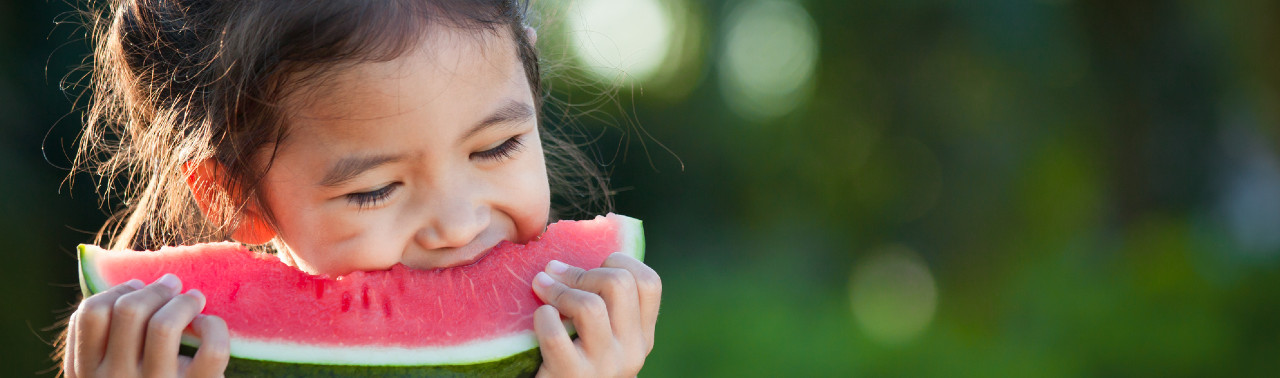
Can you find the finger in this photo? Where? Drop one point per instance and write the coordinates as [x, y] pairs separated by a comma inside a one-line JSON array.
[[558, 351], [69, 349], [649, 289], [130, 315], [215, 347], [92, 320], [568, 274], [586, 310], [164, 333], [618, 289]]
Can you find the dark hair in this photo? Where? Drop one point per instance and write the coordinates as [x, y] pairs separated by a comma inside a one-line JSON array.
[[178, 81]]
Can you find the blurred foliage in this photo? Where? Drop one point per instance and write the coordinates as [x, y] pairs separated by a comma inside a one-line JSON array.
[[1093, 185]]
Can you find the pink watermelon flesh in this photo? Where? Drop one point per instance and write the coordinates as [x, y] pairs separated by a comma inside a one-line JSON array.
[[263, 300]]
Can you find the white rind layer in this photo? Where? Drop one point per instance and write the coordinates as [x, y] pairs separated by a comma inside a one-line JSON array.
[[466, 354], [632, 237], [631, 242]]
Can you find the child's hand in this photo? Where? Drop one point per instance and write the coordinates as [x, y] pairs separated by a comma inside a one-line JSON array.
[[134, 331], [614, 309]]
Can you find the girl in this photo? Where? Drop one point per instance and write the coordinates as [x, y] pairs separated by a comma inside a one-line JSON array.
[[343, 135]]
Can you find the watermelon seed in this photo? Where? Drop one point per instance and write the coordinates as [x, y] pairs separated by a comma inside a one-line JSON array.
[[364, 297], [346, 301], [319, 288], [235, 289]]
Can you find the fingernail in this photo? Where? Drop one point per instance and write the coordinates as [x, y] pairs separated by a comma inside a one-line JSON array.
[[557, 267], [196, 293], [169, 280], [543, 279], [135, 284]]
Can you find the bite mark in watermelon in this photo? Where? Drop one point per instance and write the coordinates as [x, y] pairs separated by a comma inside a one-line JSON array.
[[466, 318]]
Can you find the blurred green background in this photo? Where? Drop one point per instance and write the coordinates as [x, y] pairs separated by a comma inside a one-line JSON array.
[[852, 188]]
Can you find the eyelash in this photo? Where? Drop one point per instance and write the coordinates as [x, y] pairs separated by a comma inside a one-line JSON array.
[[371, 198], [502, 151]]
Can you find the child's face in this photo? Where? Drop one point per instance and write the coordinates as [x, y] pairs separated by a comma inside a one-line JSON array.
[[427, 160]]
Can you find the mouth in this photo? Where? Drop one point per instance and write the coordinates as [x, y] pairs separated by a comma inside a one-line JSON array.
[[461, 256], [475, 258]]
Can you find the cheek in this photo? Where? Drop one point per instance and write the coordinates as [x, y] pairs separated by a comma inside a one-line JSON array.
[[532, 196], [342, 241], [324, 237]]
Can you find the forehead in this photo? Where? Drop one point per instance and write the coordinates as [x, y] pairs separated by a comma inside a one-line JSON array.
[[447, 67]]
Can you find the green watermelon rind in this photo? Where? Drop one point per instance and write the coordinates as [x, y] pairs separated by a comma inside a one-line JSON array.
[[524, 345], [90, 284], [632, 229]]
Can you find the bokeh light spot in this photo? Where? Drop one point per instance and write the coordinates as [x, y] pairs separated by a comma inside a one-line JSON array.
[[770, 51], [894, 295], [620, 40]]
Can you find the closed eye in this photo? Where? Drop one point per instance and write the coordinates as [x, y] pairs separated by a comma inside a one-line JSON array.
[[502, 152], [372, 198]]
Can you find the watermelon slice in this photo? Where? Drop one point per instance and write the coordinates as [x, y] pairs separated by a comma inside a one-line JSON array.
[[472, 319]]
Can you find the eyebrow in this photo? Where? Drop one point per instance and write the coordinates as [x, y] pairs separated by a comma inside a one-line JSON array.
[[511, 112], [350, 167]]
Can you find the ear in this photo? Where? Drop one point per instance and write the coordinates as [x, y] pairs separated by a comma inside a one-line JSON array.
[[531, 34], [207, 187]]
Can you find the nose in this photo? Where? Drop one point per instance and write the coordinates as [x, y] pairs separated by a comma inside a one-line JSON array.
[[452, 224]]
